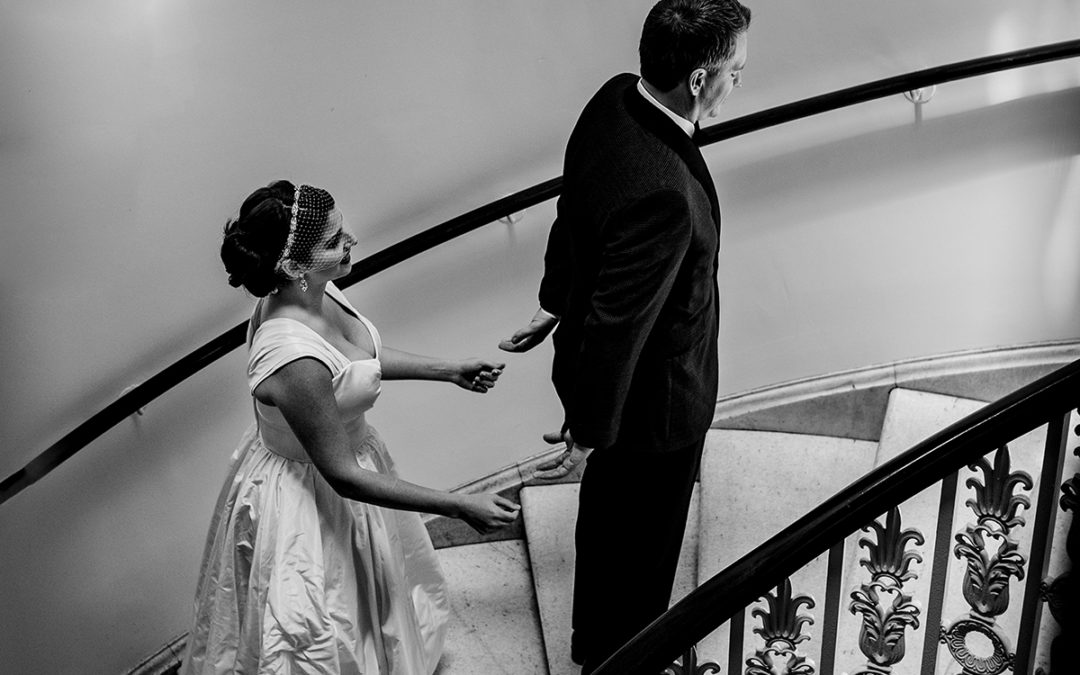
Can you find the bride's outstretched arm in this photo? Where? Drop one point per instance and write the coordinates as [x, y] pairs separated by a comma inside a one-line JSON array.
[[474, 374], [303, 392]]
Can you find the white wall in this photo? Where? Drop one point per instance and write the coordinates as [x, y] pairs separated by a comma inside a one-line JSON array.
[[130, 130]]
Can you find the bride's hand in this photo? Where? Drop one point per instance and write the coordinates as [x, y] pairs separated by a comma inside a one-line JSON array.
[[488, 512], [476, 375]]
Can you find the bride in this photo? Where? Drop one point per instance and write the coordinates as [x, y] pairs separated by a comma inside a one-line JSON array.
[[317, 560]]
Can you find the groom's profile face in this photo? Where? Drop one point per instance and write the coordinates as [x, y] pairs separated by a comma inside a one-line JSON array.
[[719, 86]]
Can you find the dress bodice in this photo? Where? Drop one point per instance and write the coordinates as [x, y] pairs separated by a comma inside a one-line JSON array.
[[357, 383]]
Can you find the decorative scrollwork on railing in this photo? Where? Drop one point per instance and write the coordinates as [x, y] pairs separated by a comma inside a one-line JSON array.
[[781, 628], [1062, 594], [988, 573], [994, 501], [884, 622], [986, 582], [688, 665]]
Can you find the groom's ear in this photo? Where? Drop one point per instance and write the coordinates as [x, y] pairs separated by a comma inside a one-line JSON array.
[[695, 82]]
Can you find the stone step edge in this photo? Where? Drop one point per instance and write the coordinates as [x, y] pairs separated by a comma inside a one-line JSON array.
[[897, 374]]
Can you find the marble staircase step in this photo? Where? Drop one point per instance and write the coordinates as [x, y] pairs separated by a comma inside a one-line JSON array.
[[753, 484], [852, 403], [756, 483], [494, 628], [550, 512], [912, 416]]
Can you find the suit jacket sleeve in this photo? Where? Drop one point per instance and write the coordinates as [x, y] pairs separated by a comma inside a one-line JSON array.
[[555, 284], [642, 246]]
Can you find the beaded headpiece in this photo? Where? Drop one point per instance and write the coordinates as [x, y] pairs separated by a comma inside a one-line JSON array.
[[314, 220]]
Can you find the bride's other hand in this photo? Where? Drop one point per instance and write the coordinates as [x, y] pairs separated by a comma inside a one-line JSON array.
[[476, 375], [488, 512]]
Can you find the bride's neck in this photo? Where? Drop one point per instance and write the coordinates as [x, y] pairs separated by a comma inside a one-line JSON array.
[[310, 300]]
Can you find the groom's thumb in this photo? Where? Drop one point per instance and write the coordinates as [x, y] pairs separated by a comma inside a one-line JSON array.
[[553, 437]]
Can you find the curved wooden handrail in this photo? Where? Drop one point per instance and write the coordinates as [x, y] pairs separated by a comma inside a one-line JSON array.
[[890, 86], [141, 395], [755, 574]]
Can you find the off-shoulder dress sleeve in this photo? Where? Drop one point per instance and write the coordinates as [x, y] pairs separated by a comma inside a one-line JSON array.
[[279, 342]]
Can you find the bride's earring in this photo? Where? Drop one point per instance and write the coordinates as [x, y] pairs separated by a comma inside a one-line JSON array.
[[303, 284]]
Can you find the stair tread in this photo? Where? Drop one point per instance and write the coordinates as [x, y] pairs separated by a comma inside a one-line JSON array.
[[686, 577], [550, 512], [756, 483], [912, 416], [494, 626]]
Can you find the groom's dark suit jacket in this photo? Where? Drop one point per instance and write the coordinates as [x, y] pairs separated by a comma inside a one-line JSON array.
[[630, 269]]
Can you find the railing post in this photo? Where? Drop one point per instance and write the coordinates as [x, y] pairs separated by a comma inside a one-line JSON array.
[[1041, 542], [1063, 593], [939, 573], [833, 593]]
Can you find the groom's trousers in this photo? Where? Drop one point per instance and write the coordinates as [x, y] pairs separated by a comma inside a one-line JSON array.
[[631, 518]]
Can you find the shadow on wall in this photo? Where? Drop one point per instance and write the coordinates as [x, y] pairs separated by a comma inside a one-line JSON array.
[[920, 157], [1061, 274], [24, 442], [126, 516]]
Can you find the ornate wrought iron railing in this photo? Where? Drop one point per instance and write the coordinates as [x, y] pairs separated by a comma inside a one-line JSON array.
[[947, 588], [142, 394]]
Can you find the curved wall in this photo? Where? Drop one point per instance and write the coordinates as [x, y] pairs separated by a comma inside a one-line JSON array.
[[130, 130]]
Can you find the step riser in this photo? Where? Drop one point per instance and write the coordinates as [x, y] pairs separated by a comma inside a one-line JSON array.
[[493, 627], [550, 513], [753, 485]]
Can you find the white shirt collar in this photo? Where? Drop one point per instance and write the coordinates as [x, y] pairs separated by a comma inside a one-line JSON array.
[[684, 124]]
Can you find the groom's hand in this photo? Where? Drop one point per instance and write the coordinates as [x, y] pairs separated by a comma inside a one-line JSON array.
[[563, 465], [531, 335]]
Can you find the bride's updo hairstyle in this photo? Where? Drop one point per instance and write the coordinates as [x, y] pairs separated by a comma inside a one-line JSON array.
[[255, 239]]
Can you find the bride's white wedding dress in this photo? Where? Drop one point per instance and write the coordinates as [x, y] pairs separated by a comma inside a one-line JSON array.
[[295, 578]]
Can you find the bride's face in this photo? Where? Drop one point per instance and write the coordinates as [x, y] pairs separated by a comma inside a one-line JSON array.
[[330, 255]]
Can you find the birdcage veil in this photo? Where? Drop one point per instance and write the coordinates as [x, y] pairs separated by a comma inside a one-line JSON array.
[[314, 218]]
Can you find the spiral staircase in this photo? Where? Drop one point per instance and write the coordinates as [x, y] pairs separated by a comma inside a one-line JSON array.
[[945, 583], [970, 575], [773, 455]]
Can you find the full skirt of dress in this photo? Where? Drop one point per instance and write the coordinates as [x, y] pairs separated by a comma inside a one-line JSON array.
[[297, 579]]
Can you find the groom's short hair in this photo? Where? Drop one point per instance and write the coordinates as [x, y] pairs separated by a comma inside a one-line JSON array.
[[681, 35]]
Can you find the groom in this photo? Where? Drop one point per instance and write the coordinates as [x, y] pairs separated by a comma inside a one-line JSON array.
[[630, 280]]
